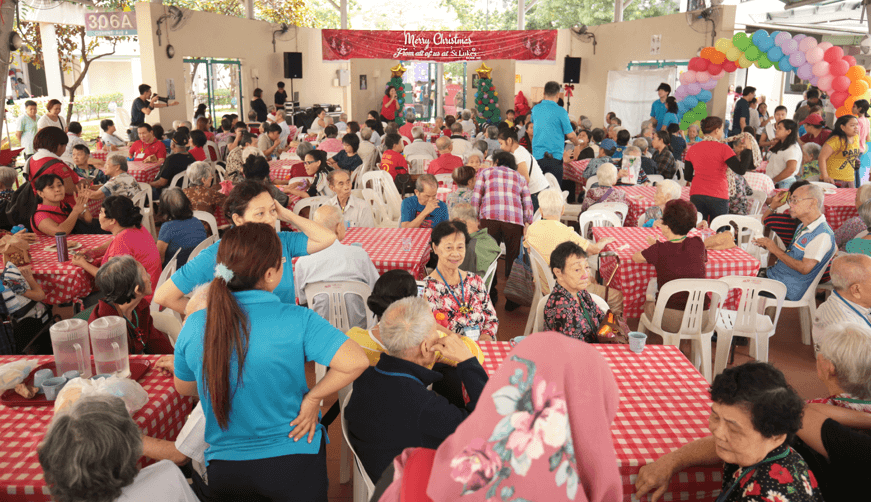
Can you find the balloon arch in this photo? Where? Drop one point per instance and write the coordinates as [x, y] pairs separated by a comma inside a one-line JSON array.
[[822, 64]]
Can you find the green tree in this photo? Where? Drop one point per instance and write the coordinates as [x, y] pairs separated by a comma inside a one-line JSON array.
[[555, 14], [502, 14]]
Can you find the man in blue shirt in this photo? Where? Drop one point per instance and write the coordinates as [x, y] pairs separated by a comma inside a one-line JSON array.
[[552, 128], [658, 109], [741, 115], [423, 209]]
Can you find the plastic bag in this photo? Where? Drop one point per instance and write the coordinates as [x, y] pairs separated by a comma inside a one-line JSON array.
[[12, 374], [133, 395]]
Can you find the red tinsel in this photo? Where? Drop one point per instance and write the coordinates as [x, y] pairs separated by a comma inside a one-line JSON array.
[[570, 88]]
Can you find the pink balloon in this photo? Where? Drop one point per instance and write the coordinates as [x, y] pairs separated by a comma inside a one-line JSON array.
[[821, 68], [841, 84], [688, 77], [718, 75], [790, 47], [782, 38], [799, 37], [805, 71], [709, 85], [825, 46], [825, 82], [815, 54], [807, 44], [702, 77]]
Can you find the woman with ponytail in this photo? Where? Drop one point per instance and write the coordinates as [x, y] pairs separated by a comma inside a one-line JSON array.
[[244, 356]]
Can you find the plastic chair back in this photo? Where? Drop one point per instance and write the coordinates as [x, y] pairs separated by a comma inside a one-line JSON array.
[[148, 221], [363, 485], [203, 245], [182, 176], [209, 219], [655, 178], [145, 187], [746, 228], [759, 198], [752, 302], [621, 208], [491, 272], [379, 209], [538, 321], [167, 323], [313, 203], [592, 181], [417, 164], [337, 293], [552, 181], [596, 218], [824, 186], [601, 302], [447, 179], [694, 314]]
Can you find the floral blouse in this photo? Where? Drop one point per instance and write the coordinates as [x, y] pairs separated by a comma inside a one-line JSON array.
[[474, 294], [782, 477], [739, 190], [597, 194], [461, 195], [206, 199], [565, 315], [848, 231]]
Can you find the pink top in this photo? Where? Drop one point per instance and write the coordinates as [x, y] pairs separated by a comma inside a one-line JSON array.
[[47, 212], [331, 145], [863, 133], [138, 243]]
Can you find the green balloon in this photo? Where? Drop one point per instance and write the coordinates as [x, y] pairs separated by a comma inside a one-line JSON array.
[[752, 53], [741, 41], [763, 62]]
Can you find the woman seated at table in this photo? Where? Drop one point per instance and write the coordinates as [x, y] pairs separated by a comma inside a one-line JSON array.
[[666, 191], [475, 159], [315, 166], [348, 158], [123, 220], [263, 443], [53, 215], [459, 299], [662, 155], [603, 190], [464, 177], [257, 169], [50, 143], [125, 284], [754, 416], [181, 232], [99, 433], [861, 245], [782, 224], [852, 227], [202, 191], [570, 309]]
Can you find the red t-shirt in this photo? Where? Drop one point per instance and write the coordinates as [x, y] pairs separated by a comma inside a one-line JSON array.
[[144, 339], [394, 163], [140, 150], [678, 260], [709, 168], [820, 140], [198, 153], [47, 212], [406, 130], [138, 243], [445, 164], [389, 112], [60, 169]]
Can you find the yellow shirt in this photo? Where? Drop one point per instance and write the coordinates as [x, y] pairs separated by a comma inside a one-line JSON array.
[[545, 235], [840, 164], [373, 347]]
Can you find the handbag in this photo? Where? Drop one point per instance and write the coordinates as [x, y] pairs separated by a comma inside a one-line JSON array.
[[521, 284], [613, 328]]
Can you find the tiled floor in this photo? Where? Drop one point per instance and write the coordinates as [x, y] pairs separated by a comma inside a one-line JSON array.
[[786, 352]]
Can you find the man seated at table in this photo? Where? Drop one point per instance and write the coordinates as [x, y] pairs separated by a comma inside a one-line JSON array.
[[85, 168], [120, 181], [392, 160], [356, 212], [147, 148], [810, 250], [177, 162], [423, 209], [419, 146], [482, 249], [391, 408], [446, 162], [269, 141], [851, 300], [460, 144], [338, 262]]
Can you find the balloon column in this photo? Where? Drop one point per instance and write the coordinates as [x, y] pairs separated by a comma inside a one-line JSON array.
[[822, 64], [487, 98], [396, 81]]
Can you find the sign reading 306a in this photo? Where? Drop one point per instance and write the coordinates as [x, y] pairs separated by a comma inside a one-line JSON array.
[[110, 24]]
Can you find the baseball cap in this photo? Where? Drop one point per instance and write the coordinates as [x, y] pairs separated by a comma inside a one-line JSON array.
[[608, 144], [814, 119]]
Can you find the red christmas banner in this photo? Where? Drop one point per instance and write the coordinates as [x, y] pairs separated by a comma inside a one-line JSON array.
[[442, 46]]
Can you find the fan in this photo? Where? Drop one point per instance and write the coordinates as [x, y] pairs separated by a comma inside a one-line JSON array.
[[174, 19], [583, 33], [283, 32]]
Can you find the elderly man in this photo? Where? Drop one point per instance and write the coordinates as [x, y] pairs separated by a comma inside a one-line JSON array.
[[270, 141], [356, 212], [285, 129], [120, 182], [177, 162], [447, 162], [338, 262], [647, 162], [391, 408], [460, 144], [467, 124], [366, 149], [482, 250], [147, 148], [810, 249], [423, 209], [851, 301], [406, 129], [627, 171], [844, 364], [342, 124], [419, 146]]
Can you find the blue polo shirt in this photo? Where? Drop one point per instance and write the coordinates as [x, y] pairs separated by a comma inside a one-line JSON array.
[[667, 119], [201, 269], [282, 339], [411, 208], [658, 111], [551, 126]]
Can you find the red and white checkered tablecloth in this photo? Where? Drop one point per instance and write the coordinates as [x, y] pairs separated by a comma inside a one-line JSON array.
[[143, 172], [62, 282], [632, 278], [664, 404], [100, 154], [281, 169], [574, 171], [640, 199], [840, 207], [758, 180], [23, 428], [384, 246]]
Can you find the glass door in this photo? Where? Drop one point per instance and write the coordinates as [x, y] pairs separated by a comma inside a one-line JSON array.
[[217, 83]]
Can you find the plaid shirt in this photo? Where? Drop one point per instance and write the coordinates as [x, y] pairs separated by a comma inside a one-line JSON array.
[[503, 195]]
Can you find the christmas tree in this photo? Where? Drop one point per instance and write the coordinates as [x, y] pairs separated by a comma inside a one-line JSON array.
[[487, 98], [396, 81]]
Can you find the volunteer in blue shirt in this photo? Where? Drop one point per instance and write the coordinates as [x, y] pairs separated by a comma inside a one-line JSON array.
[[249, 202], [670, 116], [262, 421], [552, 128], [659, 108]]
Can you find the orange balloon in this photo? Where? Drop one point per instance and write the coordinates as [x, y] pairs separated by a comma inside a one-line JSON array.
[[856, 73], [717, 57], [840, 112], [858, 88], [849, 102]]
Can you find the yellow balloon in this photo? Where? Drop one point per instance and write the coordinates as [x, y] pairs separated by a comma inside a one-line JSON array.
[[723, 45], [734, 54], [743, 62], [867, 96]]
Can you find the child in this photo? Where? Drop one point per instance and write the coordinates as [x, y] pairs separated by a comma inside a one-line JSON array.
[[110, 140], [392, 161], [509, 118], [810, 163]]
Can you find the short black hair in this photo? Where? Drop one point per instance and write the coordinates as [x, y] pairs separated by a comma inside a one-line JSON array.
[[144, 88], [273, 127], [157, 129], [246, 138], [505, 159], [779, 108], [551, 88], [226, 124], [181, 137], [563, 252], [392, 286], [775, 408], [813, 93], [82, 148], [623, 137], [331, 131], [679, 216], [281, 85], [673, 128], [146, 126], [256, 168], [198, 138], [240, 125], [449, 227], [749, 90], [506, 134], [798, 184], [74, 128], [392, 140], [664, 87], [46, 180], [122, 210], [351, 140], [598, 134], [29, 102]]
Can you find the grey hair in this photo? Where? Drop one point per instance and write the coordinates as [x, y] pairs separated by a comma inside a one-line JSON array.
[[176, 124], [409, 115], [632, 151], [467, 115], [464, 211], [303, 148], [848, 347], [332, 176], [474, 152], [816, 192], [417, 132], [271, 109], [425, 180], [120, 161], [641, 143], [279, 113], [669, 188], [118, 279], [492, 132], [8, 177], [187, 123], [343, 117], [174, 202], [865, 213], [198, 172], [606, 174], [90, 451], [365, 133], [405, 325], [693, 126], [848, 269], [481, 145], [863, 193], [328, 216], [443, 143], [812, 149], [550, 202], [587, 124]]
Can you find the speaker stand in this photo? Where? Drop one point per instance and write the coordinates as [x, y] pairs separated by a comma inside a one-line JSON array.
[[292, 103]]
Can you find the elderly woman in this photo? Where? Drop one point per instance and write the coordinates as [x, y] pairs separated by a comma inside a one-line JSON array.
[[474, 158], [754, 416], [862, 245], [257, 169], [126, 283], [851, 228], [203, 193], [693, 135], [247, 425], [841, 152], [662, 155], [464, 178], [666, 191], [603, 190], [633, 166], [391, 408], [810, 162], [105, 441], [331, 143], [459, 299], [392, 286], [844, 366], [181, 232]]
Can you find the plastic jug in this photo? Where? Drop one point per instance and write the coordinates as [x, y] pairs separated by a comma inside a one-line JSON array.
[[109, 340], [71, 347]]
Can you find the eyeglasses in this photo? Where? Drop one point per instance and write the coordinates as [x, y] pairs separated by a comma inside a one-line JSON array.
[[309, 162], [793, 201]]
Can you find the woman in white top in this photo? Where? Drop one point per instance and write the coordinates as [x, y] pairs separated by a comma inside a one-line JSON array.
[[526, 164], [52, 117], [785, 157]]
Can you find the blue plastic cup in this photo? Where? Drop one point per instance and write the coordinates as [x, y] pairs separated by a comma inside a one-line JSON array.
[[53, 386], [69, 375], [637, 341], [41, 376]]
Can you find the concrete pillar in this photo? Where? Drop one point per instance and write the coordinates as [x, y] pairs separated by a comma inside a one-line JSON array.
[[440, 90], [249, 9], [53, 76], [343, 10], [521, 13]]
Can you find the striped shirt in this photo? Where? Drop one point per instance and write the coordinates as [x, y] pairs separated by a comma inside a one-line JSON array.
[[14, 286], [503, 195], [838, 309]]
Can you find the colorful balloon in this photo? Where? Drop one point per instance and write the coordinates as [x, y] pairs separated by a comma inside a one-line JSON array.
[[805, 71], [709, 85], [850, 60], [763, 62], [688, 77], [759, 36], [694, 89], [775, 54], [715, 69], [782, 38], [858, 88], [765, 43], [744, 62], [834, 54], [856, 73], [790, 47], [702, 77], [841, 84], [814, 81], [840, 112], [797, 59], [799, 37], [717, 57], [821, 69], [815, 54], [698, 64], [723, 45], [807, 44], [733, 54], [704, 96], [825, 46], [719, 74], [851, 101], [690, 101], [741, 41], [839, 67], [825, 82], [784, 64], [838, 98], [728, 66], [753, 53]]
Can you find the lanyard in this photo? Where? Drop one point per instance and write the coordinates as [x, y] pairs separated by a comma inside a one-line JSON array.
[[135, 327], [851, 400], [391, 373], [725, 495], [864, 317], [464, 309], [584, 313]]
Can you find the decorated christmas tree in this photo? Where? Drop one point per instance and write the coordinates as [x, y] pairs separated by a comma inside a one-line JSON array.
[[396, 81], [487, 98]]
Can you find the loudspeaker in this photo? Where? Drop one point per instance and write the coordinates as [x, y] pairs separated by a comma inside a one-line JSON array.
[[292, 65], [571, 70]]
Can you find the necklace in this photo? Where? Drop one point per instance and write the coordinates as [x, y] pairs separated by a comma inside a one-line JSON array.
[[461, 301]]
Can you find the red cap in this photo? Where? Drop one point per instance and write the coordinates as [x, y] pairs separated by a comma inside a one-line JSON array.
[[814, 119]]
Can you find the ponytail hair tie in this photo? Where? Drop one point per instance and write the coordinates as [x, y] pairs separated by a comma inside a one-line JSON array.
[[222, 272]]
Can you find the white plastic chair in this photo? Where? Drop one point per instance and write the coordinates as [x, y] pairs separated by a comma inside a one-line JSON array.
[[220, 171], [166, 273], [592, 181], [749, 320], [203, 245], [363, 485], [655, 178], [679, 173], [759, 197], [313, 203], [209, 219], [183, 177], [491, 272], [379, 210], [746, 228], [445, 178], [146, 188], [539, 267], [148, 220], [597, 218], [824, 186], [538, 323], [622, 209], [808, 305], [694, 316], [552, 181], [168, 324], [208, 150]]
